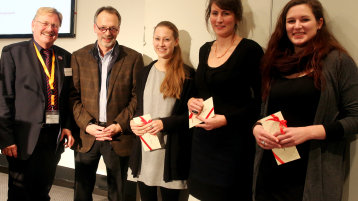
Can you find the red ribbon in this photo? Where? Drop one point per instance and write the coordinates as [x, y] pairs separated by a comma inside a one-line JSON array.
[[191, 115], [283, 123], [207, 116], [145, 122], [278, 158]]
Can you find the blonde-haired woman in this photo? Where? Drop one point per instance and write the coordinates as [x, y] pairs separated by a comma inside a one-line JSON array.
[[163, 89]]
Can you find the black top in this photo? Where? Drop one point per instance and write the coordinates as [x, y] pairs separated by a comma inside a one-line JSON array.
[[176, 126], [224, 156], [297, 99]]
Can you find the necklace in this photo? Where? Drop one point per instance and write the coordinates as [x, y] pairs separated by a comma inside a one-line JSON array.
[[216, 47]]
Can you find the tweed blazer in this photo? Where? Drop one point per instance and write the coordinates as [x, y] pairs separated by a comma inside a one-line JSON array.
[[121, 97]]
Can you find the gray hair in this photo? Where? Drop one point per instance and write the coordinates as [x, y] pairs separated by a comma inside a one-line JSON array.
[[44, 10], [108, 9]]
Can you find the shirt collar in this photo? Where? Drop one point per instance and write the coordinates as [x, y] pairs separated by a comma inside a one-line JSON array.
[[40, 48], [107, 54]]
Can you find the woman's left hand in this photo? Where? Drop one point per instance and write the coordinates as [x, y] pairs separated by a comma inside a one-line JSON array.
[[216, 121], [297, 135], [154, 127]]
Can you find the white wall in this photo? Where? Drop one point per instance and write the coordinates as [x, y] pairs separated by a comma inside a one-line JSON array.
[[189, 17], [140, 16], [185, 18]]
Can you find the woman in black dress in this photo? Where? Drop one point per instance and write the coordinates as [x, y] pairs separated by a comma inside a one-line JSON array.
[[310, 78], [228, 71]]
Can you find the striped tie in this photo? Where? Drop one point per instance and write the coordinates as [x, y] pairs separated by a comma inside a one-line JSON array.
[[47, 55]]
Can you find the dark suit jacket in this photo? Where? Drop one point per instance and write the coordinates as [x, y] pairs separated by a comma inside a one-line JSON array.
[[121, 98], [22, 95]]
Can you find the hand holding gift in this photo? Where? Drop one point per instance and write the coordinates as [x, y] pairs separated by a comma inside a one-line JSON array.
[[149, 142], [207, 112], [275, 124]]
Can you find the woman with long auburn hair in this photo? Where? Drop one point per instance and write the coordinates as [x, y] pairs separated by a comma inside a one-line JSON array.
[[310, 78], [163, 88], [228, 71]]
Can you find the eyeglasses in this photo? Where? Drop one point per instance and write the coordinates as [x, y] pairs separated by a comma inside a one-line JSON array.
[[104, 29], [46, 24]]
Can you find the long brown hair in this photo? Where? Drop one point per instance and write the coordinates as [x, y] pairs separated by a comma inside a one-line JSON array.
[[280, 58], [172, 84]]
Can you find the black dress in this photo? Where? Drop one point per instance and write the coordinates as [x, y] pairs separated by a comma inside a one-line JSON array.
[[222, 159], [297, 99]]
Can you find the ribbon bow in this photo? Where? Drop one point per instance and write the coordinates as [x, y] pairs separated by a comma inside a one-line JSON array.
[[144, 121], [283, 123]]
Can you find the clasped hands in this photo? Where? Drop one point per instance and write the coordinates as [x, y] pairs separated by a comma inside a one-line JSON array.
[[195, 105], [291, 136], [103, 133]]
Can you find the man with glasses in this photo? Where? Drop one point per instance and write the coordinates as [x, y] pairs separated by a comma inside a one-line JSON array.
[[35, 78], [104, 101]]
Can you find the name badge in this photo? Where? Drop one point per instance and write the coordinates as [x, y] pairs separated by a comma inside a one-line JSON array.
[[52, 117], [68, 72]]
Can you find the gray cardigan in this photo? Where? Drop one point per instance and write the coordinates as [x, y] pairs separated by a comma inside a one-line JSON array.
[[327, 163]]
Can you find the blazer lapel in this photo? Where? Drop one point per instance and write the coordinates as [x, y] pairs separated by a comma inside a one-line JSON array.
[[113, 77], [93, 74], [116, 67], [37, 69], [59, 69]]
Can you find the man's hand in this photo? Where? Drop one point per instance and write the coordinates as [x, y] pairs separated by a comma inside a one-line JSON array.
[[10, 151], [97, 132], [113, 129], [66, 133]]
